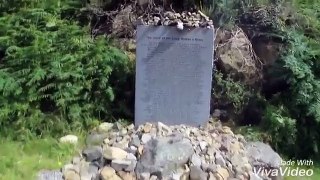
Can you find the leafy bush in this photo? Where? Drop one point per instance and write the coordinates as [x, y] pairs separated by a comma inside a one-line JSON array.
[[53, 76], [252, 133], [300, 60], [9, 6], [294, 117], [230, 93], [281, 128], [291, 118]]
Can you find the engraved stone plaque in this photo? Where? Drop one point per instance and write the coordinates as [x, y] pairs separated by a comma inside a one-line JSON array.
[[173, 75]]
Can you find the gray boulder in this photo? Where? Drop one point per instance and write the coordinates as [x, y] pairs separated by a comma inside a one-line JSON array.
[[95, 139], [164, 155], [93, 153], [261, 155]]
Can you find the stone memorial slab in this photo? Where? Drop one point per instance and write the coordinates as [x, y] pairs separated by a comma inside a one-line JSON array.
[[173, 75]]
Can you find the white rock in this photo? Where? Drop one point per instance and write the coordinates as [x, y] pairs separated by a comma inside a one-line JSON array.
[[106, 141], [153, 177], [69, 139], [203, 145], [162, 126], [220, 160], [180, 25], [131, 156], [112, 153], [133, 148], [156, 20], [176, 176], [145, 176], [145, 138], [105, 127], [196, 160], [130, 127]]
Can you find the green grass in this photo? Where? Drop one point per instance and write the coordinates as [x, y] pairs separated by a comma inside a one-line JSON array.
[[22, 161]]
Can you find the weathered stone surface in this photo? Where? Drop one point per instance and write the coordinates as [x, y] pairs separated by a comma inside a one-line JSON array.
[[126, 175], [164, 155], [220, 160], [70, 167], [108, 173], [122, 144], [112, 153], [196, 160], [88, 171], [135, 141], [211, 176], [162, 128], [71, 175], [196, 173], [147, 127], [144, 176], [92, 153], [95, 139], [76, 160], [162, 96], [222, 174], [182, 173], [262, 155], [145, 138], [203, 145], [124, 165]]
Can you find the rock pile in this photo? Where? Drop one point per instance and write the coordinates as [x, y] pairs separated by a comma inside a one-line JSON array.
[[184, 19], [157, 151], [122, 23]]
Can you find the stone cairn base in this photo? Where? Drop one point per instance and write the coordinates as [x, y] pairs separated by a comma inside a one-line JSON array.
[[183, 19], [160, 152]]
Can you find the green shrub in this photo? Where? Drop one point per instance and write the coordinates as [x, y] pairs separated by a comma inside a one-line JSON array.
[[300, 60], [281, 128], [54, 76], [230, 93], [294, 117]]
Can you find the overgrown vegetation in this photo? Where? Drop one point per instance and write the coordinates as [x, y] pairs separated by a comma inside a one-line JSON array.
[[290, 118], [297, 115], [230, 93], [302, 100], [53, 76]]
